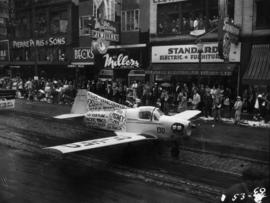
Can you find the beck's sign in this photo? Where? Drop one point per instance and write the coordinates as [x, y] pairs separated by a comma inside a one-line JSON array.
[[83, 55], [190, 54]]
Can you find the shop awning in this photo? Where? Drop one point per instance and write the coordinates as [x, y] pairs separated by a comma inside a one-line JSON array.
[[258, 71], [222, 69]]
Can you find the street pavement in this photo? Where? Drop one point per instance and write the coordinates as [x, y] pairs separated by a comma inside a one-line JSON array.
[[30, 174], [213, 150], [224, 137]]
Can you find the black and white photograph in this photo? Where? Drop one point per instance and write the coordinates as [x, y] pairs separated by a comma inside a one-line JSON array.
[[134, 101]]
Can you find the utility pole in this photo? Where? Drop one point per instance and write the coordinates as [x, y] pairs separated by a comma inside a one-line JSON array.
[[35, 38]]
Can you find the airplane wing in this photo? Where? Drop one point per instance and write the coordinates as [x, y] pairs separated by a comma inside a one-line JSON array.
[[69, 115], [120, 138], [186, 115]]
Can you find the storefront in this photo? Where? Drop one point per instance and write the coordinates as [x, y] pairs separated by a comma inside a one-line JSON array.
[[180, 63], [50, 55], [122, 59]]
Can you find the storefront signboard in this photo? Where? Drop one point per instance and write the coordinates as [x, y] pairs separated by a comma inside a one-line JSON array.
[[189, 53], [52, 41], [120, 61], [4, 50], [104, 29], [83, 55]]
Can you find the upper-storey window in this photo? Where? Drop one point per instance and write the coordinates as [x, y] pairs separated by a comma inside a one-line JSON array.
[[262, 14], [22, 25], [86, 22], [130, 20], [41, 23], [104, 9], [58, 22], [186, 16]]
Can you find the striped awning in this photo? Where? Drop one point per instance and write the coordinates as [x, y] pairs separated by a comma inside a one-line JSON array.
[[258, 71]]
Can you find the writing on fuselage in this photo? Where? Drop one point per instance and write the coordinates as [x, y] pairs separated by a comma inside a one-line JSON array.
[[110, 120]]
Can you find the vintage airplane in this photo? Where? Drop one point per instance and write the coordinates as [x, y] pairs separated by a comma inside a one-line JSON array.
[[128, 124], [7, 99]]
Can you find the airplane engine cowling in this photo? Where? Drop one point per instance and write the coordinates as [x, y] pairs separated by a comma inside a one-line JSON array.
[[178, 128]]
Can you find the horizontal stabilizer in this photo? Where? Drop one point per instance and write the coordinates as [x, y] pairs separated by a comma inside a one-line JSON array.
[[120, 138], [70, 115]]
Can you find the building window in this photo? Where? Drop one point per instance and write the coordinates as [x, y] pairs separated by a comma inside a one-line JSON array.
[[41, 24], [130, 20], [85, 25], [104, 9], [262, 14], [22, 26], [183, 17], [58, 22]]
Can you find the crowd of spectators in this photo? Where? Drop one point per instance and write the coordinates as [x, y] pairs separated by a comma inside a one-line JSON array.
[[215, 101], [186, 24]]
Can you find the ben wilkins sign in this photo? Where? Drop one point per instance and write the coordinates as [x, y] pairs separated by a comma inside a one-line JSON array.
[[52, 41], [190, 54], [104, 29], [120, 61]]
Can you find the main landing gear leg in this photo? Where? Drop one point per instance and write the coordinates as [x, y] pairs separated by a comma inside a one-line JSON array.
[[175, 149]]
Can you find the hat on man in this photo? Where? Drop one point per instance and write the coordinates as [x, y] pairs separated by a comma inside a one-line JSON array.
[[238, 97]]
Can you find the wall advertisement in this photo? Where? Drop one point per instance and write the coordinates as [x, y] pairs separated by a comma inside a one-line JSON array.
[[51, 41], [190, 53]]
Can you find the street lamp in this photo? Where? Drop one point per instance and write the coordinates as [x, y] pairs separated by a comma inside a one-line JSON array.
[[200, 50]]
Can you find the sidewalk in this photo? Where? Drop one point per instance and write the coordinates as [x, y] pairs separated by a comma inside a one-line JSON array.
[[244, 122]]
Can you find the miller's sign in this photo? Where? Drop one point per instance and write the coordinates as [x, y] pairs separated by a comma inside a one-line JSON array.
[[83, 55], [52, 41], [120, 61]]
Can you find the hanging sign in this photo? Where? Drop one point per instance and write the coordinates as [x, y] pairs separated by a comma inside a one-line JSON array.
[[83, 55], [120, 61]]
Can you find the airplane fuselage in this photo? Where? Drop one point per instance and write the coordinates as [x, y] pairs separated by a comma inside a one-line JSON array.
[[142, 120]]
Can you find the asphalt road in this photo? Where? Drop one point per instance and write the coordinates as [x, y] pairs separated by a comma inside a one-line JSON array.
[[31, 174]]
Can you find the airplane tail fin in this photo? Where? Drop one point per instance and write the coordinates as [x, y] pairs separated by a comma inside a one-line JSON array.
[[88, 101], [80, 105]]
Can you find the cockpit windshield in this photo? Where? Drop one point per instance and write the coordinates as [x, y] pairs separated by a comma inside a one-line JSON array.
[[157, 113]]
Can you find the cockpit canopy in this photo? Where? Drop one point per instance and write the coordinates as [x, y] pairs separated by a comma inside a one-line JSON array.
[[150, 113]]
